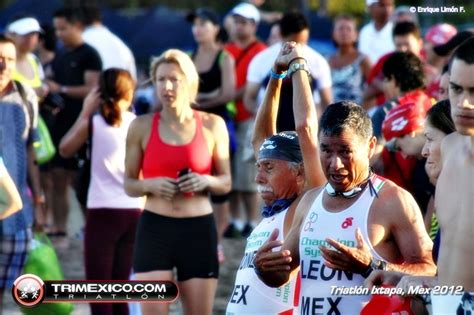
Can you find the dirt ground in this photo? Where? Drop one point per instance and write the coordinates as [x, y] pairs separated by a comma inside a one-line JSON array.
[[71, 260]]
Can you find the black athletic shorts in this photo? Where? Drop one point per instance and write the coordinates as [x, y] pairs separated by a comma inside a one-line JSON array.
[[189, 244]]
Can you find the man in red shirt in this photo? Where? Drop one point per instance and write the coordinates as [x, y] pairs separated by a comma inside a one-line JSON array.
[[245, 46]]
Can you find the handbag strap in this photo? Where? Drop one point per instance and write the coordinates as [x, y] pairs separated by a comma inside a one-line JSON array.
[[26, 103]]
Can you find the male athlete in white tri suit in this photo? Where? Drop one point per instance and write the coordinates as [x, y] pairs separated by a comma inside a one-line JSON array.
[[283, 172], [355, 223]]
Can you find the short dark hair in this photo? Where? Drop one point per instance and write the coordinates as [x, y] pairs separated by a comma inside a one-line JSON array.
[[90, 14], [48, 37], [406, 28], [292, 23], [407, 70], [465, 52], [439, 116], [70, 14], [345, 115]]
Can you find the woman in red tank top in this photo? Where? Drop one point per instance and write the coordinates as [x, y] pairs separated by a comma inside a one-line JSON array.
[[176, 158]]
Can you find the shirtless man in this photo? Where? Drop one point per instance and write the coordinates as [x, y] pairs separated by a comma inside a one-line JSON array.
[[377, 224], [454, 201], [458, 162]]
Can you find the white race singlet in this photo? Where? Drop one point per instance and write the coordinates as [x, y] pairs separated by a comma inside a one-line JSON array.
[[317, 279], [250, 295]]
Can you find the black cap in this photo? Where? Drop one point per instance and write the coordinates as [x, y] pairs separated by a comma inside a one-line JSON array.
[[204, 14], [282, 146], [446, 48]]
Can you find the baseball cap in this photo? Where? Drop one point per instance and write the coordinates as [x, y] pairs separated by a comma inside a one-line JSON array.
[[24, 26], [446, 48], [248, 11], [282, 146], [204, 14], [402, 120], [440, 33], [368, 3]]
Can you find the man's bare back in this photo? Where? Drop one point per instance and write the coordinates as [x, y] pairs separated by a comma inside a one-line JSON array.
[[454, 209]]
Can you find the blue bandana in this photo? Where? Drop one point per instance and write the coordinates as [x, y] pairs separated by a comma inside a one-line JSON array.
[[276, 207]]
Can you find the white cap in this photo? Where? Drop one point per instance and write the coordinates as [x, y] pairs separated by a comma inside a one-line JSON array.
[[368, 3], [24, 26], [247, 10]]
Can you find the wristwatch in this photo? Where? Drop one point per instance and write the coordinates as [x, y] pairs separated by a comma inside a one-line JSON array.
[[296, 66], [378, 264], [375, 264]]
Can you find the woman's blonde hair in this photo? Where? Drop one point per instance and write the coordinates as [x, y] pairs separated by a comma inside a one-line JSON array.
[[185, 64]]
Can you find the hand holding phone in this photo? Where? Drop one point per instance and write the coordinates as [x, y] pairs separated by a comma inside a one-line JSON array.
[[181, 173]]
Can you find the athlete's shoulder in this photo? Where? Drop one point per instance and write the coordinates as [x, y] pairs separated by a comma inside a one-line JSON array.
[[141, 124], [211, 121], [391, 197]]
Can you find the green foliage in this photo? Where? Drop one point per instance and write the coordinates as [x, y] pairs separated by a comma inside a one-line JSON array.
[[335, 7], [354, 7]]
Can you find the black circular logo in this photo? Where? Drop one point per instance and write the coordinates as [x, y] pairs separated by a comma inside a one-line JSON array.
[[28, 290]]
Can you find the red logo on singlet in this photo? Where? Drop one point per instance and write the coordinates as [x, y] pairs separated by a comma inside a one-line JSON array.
[[347, 222]]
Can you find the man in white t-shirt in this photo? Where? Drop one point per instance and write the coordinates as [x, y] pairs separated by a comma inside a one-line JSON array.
[[375, 39], [112, 50], [293, 27]]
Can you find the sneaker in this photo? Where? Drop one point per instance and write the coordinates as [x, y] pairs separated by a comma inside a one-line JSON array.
[[231, 231], [248, 228]]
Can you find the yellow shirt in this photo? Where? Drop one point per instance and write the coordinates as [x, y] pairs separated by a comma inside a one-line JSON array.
[[36, 82]]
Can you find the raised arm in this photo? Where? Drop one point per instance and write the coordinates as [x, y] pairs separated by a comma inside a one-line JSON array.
[[75, 138], [265, 122], [306, 122]]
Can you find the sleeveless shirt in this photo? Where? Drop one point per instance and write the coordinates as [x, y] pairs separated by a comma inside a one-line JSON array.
[[108, 167], [211, 80], [166, 160], [317, 278], [347, 82], [38, 74], [250, 295]]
